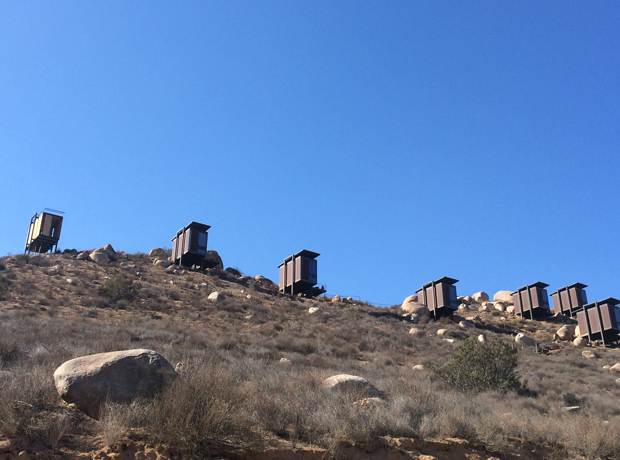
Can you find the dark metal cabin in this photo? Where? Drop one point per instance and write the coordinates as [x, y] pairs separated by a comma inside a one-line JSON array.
[[44, 231], [531, 301], [298, 274], [189, 246], [439, 296], [569, 300], [600, 320]]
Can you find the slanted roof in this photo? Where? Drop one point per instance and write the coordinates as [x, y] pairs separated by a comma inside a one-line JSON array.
[[444, 279], [53, 211], [196, 225], [574, 285], [302, 253]]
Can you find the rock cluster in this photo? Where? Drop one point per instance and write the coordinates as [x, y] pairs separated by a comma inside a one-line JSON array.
[[159, 257], [103, 254]]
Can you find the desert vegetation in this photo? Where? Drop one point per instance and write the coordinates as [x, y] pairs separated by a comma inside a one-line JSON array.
[[235, 394]]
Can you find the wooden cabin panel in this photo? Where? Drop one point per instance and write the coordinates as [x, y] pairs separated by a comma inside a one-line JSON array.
[[430, 298], [516, 300], [575, 297], [594, 321], [298, 272], [282, 270], [442, 298], [185, 240], [557, 303], [581, 322], [46, 226], [566, 301], [37, 227], [524, 297], [606, 317], [535, 297], [174, 248], [289, 273], [31, 232]]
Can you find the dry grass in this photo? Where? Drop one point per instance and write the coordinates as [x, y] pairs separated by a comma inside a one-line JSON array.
[[234, 392]]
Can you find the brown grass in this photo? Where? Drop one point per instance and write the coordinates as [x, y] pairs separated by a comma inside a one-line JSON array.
[[234, 392]]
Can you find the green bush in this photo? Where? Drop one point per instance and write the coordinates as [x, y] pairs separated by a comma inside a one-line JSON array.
[[476, 366], [120, 289]]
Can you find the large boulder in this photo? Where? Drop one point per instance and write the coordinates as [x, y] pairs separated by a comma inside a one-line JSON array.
[[109, 250], [118, 377], [503, 296], [480, 297], [352, 383], [525, 340], [580, 341], [588, 354], [158, 253], [99, 256], [566, 332], [161, 263], [411, 298], [265, 283], [215, 297], [411, 305], [104, 254], [214, 258]]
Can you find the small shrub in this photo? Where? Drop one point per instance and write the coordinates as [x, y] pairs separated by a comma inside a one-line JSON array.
[[116, 420], [476, 366], [120, 289], [9, 352], [3, 290], [202, 411], [99, 303], [23, 258]]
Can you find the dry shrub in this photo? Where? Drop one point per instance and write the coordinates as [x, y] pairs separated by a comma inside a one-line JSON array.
[[26, 391], [9, 352], [200, 412], [116, 420]]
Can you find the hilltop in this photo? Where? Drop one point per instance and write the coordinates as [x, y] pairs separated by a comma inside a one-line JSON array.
[[252, 361]]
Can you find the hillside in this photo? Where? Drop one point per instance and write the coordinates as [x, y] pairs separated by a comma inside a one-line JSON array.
[[237, 398]]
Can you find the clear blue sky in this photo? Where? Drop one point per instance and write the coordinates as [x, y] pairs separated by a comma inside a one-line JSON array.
[[402, 140]]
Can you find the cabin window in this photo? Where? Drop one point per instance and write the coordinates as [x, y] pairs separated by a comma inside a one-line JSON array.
[[545, 299], [202, 243], [453, 300]]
